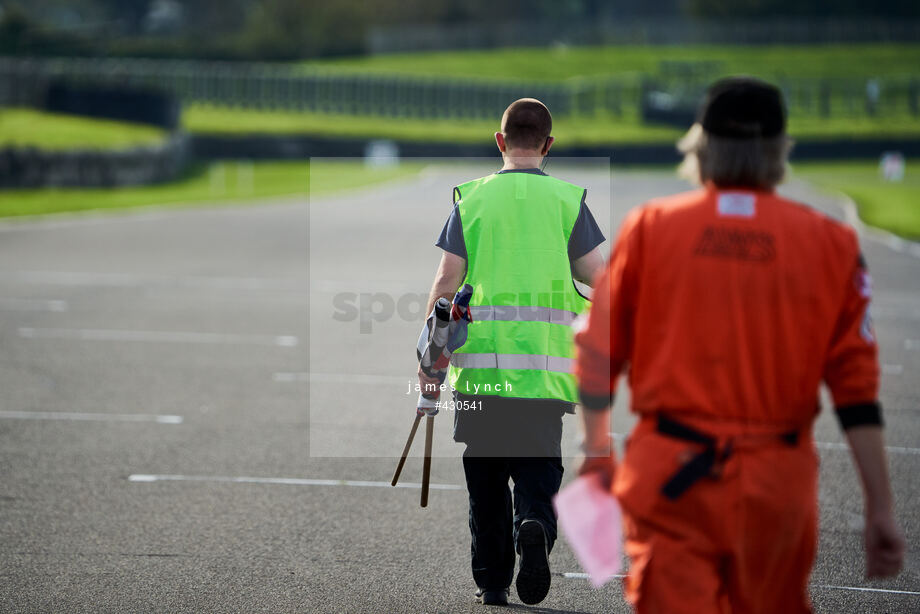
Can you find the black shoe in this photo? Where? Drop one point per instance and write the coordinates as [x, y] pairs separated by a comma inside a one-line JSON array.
[[533, 577], [499, 597]]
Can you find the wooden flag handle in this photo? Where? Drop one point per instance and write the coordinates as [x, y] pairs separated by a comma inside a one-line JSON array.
[[405, 453], [426, 466]]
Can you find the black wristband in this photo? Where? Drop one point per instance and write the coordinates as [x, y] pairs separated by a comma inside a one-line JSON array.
[[860, 414], [595, 402]]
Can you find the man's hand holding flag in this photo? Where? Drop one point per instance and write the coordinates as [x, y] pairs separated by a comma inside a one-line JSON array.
[[444, 331]]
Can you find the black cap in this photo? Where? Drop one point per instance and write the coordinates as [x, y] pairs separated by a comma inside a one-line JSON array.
[[743, 108]]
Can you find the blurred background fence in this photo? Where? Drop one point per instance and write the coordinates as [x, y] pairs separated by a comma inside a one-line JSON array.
[[660, 30], [266, 86], [31, 167]]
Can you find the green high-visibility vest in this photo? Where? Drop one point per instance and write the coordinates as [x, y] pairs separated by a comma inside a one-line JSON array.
[[516, 227]]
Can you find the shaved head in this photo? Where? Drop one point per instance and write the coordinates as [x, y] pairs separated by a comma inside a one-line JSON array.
[[526, 124]]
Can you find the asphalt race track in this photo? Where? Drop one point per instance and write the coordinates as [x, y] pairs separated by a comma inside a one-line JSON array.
[[201, 408]]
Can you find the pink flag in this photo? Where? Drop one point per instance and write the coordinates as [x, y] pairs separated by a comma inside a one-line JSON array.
[[591, 521]]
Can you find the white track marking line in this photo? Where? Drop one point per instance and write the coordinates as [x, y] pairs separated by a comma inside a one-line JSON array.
[[160, 298], [366, 286], [145, 213], [131, 280], [865, 589], [143, 477], [156, 336], [92, 417], [821, 445], [892, 241], [572, 575], [827, 445], [23, 304], [340, 378], [902, 450], [286, 377], [583, 576]]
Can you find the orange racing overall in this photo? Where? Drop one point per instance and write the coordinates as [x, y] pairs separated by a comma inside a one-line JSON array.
[[727, 309]]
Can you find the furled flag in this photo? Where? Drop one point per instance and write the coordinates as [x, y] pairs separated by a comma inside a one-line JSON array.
[[444, 332]]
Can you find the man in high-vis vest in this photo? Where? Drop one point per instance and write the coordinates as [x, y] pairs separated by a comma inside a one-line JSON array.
[[729, 305], [520, 238]]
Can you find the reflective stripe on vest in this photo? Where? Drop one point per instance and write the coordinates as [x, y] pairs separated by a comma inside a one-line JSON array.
[[556, 364], [512, 313]]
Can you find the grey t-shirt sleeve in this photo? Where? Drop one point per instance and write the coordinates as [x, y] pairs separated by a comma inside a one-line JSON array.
[[451, 239], [586, 234]]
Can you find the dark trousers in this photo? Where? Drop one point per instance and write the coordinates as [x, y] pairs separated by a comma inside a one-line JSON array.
[[517, 440], [495, 520]]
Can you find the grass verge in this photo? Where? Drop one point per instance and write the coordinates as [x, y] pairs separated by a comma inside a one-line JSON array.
[[54, 132], [560, 63], [219, 182], [633, 62], [602, 130], [217, 120], [891, 206]]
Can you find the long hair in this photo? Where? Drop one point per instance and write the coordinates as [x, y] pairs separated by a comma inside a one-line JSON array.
[[758, 163]]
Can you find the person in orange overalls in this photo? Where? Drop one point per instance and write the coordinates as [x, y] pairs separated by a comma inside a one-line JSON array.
[[728, 306]]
